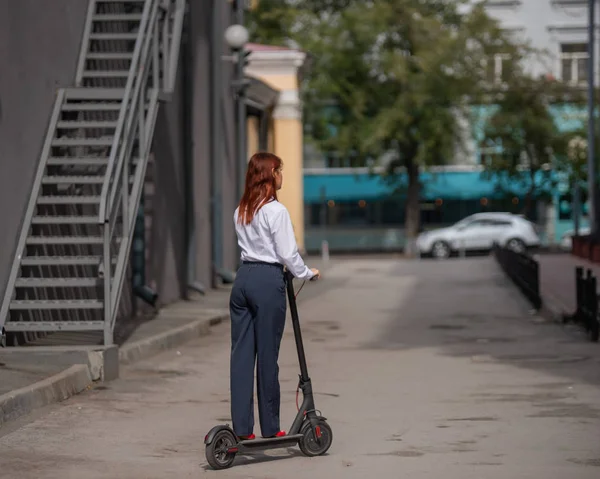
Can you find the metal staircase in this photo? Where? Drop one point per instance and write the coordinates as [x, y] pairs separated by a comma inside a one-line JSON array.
[[73, 249]]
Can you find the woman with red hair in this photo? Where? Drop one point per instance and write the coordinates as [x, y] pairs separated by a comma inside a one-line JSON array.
[[258, 302]]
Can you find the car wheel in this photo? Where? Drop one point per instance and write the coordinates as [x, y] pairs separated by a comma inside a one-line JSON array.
[[440, 250], [516, 245]]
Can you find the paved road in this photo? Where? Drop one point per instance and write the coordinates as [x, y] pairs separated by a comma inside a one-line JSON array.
[[424, 369]]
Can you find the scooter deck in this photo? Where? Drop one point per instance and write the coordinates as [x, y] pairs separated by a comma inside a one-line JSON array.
[[270, 442]]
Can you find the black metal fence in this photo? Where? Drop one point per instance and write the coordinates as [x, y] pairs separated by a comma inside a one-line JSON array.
[[523, 270], [586, 314]]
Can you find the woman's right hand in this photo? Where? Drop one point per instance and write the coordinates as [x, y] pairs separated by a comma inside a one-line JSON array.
[[316, 274]]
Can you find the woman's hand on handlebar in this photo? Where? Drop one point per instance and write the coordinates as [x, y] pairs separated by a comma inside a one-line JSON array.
[[316, 273]]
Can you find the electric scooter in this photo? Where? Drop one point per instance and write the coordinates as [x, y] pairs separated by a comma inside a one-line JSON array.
[[309, 430]]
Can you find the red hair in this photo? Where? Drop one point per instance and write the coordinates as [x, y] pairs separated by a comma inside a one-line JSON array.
[[260, 185]]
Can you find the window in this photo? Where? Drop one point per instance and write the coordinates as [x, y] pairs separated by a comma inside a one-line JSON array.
[[490, 156], [498, 68], [500, 223], [574, 63]]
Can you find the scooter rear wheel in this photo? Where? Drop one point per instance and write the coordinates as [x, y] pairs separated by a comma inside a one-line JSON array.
[[217, 453], [309, 444]]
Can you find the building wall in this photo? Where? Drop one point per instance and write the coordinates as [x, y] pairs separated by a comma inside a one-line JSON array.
[[546, 24], [38, 55], [278, 67], [182, 147]]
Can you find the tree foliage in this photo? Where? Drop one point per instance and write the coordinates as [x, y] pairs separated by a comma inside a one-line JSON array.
[[528, 146], [395, 76]]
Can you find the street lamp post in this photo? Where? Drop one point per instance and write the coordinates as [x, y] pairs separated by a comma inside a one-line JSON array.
[[591, 160], [236, 37]]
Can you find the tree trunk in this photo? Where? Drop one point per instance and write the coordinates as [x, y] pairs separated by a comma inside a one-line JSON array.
[[413, 211], [528, 204], [529, 196]]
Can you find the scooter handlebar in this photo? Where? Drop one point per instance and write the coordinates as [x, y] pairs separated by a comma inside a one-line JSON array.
[[290, 276]]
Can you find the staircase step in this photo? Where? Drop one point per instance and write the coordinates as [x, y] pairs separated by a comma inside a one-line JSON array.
[[73, 180], [61, 260], [81, 161], [65, 304], [113, 36], [57, 282], [91, 106], [86, 124], [68, 200], [109, 56], [64, 240], [92, 93], [106, 73], [82, 142], [64, 220], [15, 326], [117, 17]]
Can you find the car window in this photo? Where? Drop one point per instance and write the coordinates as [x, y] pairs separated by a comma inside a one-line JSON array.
[[464, 222], [474, 224], [498, 222]]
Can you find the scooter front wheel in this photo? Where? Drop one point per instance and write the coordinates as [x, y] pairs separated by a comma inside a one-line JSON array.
[[317, 442], [217, 452]]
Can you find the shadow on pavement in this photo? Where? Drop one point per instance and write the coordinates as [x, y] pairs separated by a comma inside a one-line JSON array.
[[468, 308]]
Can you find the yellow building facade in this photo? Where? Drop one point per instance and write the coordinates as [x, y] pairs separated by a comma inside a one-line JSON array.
[[279, 68]]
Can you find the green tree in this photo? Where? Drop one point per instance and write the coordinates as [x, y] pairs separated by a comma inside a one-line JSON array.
[[527, 142], [397, 74]]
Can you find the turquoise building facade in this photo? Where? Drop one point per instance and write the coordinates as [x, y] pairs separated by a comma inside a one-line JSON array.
[[362, 209]]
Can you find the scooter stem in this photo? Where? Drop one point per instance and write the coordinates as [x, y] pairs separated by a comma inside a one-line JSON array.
[[289, 277]]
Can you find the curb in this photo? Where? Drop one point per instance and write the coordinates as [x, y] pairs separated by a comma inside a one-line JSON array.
[[78, 378], [147, 347], [51, 390], [551, 312]]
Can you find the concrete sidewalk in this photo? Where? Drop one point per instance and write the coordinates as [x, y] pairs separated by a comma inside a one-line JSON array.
[[424, 369], [62, 365]]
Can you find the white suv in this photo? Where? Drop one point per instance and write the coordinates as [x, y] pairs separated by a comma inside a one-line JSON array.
[[479, 232]]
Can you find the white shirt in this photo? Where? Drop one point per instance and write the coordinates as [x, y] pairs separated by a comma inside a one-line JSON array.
[[270, 238]]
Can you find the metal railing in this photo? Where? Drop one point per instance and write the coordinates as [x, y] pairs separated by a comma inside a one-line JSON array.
[[586, 313], [150, 75], [523, 270], [120, 196]]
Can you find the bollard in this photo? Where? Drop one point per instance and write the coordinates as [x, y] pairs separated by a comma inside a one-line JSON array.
[[325, 252], [579, 290], [593, 326]]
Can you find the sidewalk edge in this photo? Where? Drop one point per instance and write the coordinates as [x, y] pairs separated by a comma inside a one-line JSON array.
[[77, 378], [551, 310], [147, 347], [54, 389]]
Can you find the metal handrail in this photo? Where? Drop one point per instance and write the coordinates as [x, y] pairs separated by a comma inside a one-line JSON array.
[[136, 120], [106, 200]]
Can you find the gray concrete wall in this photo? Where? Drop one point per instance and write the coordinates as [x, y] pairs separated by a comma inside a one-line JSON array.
[[229, 155], [167, 238], [200, 129], [166, 261], [38, 54]]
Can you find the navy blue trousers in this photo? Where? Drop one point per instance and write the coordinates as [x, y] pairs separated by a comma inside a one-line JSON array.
[[257, 306]]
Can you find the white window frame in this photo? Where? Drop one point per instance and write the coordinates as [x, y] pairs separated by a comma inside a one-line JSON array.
[[575, 57], [498, 59]]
